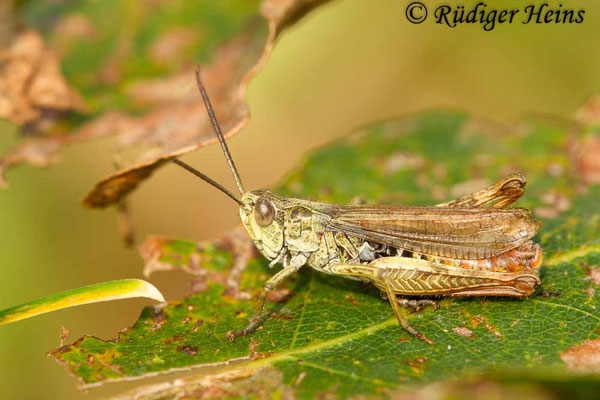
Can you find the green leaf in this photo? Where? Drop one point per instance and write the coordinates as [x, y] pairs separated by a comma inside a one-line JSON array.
[[90, 294], [336, 335]]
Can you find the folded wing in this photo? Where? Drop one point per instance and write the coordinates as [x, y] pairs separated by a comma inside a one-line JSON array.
[[460, 233]]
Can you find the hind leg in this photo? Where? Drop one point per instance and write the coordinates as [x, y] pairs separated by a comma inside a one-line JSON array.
[[499, 195], [378, 276]]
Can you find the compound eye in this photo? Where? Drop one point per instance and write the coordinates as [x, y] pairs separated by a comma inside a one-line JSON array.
[[264, 213]]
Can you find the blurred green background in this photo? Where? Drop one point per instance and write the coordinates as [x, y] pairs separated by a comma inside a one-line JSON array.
[[346, 64]]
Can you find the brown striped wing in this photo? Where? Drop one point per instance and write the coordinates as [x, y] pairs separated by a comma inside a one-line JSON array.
[[459, 233]]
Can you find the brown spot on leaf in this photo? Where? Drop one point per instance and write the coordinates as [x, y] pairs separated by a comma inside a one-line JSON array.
[[591, 292], [462, 331], [282, 317], [300, 378], [476, 320], [174, 339], [191, 350], [586, 159], [594, 274], [254, 354], [402, 160], [491, 328], [159, 315], [172, 46], [583, 358], [556, 203], [351, 299], [549, 294], [555, 170], [417, 364]]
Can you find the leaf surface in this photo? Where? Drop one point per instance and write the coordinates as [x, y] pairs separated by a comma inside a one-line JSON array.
[[331, 335]]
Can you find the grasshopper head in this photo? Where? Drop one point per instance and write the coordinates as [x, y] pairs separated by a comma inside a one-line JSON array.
[[262, 216]]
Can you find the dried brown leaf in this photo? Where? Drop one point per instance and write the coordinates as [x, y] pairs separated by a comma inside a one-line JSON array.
[[178, 123], [31, 83], [33, 92], [39, 152], [175, 123]]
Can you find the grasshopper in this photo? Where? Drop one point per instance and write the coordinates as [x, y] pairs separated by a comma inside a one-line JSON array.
[[475, 245]]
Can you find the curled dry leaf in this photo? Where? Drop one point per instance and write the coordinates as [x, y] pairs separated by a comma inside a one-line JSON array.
[[32, 92], [179, 124], [31, 83], [38, 152], [175, 121]]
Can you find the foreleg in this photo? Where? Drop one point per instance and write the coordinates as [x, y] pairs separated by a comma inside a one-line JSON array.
[[257, 318]]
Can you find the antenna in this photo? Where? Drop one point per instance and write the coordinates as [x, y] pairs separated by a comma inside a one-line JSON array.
[[217, 128], [207, 179]]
